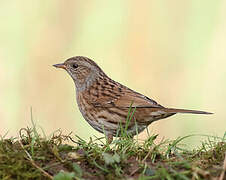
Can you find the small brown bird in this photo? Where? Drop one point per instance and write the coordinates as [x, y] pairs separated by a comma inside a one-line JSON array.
[[104, 103]]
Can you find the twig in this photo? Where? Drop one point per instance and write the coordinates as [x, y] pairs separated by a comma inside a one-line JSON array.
[[33, 163], [149, 152], [134, 171]]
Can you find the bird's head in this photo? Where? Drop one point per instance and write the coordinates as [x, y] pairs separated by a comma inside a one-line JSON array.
[[83, 71]]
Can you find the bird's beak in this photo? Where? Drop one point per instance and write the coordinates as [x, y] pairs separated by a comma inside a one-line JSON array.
[[62, 65]]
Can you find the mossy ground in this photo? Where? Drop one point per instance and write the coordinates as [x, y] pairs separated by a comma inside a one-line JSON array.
[[31, 156]]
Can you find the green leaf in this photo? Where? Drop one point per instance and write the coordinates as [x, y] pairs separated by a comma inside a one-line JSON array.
[[116, 158], [109, 159], [149, 172], [64, 176], [77, 169]]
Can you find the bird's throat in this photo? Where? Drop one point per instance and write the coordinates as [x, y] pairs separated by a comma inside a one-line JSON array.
[[84, 83]]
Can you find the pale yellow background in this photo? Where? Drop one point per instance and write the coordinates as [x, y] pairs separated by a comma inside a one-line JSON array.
[[173, 51]]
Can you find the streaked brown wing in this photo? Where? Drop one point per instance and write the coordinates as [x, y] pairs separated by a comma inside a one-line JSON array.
[[135, 99], [117, 95], [117, 100]]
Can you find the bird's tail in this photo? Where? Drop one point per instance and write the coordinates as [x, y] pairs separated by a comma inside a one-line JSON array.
[[173, 110]]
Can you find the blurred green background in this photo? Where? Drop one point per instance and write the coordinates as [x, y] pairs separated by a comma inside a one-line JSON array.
[[172, 51]]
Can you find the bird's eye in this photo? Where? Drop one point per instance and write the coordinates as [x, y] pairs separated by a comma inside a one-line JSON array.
[[75, 66]]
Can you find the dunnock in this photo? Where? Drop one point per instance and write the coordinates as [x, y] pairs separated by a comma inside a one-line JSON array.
[[104, 103]]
